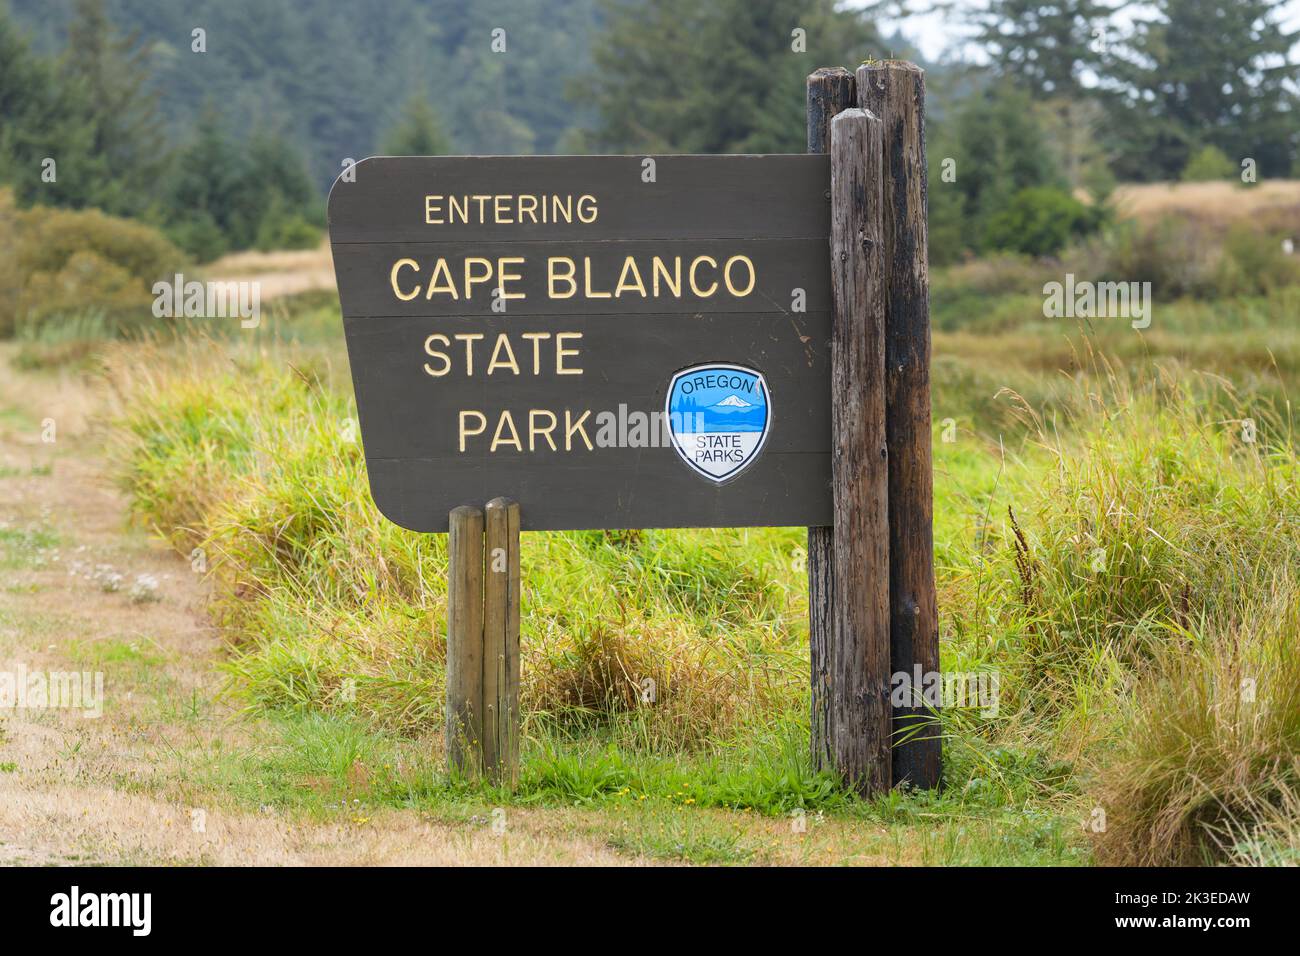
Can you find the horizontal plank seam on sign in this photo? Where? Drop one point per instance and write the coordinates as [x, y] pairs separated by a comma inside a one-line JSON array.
[[578, 240], [570, 158], [730, 316], [585, 466]]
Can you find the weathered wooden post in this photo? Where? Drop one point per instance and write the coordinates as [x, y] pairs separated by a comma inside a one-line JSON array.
[[830, 91], [859, 656], [501, 644], [483, 641], [895, 92], [465, 640]]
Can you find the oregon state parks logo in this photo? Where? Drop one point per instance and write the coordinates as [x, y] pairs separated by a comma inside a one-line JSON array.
[[719, 417]]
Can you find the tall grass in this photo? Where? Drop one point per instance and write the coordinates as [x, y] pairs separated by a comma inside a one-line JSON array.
[[1117, 542], [258, 467], [1208, 766]]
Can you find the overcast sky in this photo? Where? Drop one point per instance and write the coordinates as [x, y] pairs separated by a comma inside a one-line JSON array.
[[933, 32]]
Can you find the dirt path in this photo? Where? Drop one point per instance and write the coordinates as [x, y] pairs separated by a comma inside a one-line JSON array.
[[81, 593], [278, 273]]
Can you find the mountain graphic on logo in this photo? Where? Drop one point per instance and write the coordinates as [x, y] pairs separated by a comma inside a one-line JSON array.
[[733, 401]]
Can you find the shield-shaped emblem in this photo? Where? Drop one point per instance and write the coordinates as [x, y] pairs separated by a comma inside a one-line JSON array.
[[719, 417]]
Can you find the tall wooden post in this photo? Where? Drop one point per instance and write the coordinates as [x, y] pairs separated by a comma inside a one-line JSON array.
[[501, 644], [859, 658], [465, 640], [895, 91], [830, 91]]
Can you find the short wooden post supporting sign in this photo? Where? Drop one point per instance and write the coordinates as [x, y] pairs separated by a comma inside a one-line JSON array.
[[895, 91], [483, 642], [501, 644], [465, 641]]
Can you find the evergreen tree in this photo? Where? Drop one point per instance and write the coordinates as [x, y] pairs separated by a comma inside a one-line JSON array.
[[999, 150], [1203, 72], [417, 132], [107, 76], [1044, 47], [39, 121], [728, 76]]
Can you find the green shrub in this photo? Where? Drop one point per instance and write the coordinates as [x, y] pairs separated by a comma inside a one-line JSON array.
[[1207, 164], [1253, 263], [11, 273], [287, 231], [199, 235], [1178, 258], [1040, 221], [61, 263]]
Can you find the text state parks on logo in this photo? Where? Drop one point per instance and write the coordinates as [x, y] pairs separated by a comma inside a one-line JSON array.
[[719, 417]]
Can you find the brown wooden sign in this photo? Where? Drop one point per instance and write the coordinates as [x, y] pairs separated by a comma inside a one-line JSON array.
[[610, 341]]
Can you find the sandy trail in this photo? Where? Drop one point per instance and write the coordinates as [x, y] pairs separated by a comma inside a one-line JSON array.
[[113, 789], [278, 274]]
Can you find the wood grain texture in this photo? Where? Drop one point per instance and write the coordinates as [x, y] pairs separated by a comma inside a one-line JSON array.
[[464, 732], [859, 658], [895, 91], [501, 643], [830, 91]]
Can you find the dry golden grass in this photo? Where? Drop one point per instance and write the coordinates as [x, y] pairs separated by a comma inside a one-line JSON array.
[[281, 273], [1216, 203]]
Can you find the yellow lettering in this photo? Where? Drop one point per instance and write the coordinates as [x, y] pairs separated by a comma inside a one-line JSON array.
[[470, 278], [731, 287], [432, 206], [440, 273], [446, 359], [674, 281], [552, 277], [586, 281], [629, 265], [572, 427], [502, 422], [503, 276], [503, 341], [695, 288], [468, 338], [534, 431], [537, 349], [392, 278], [561, 351], [464, 433]]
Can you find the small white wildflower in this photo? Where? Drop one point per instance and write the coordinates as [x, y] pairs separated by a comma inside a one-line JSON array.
[[144, 589]]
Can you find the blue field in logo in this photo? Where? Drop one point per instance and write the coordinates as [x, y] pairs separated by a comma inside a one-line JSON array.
[[719, 416]]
